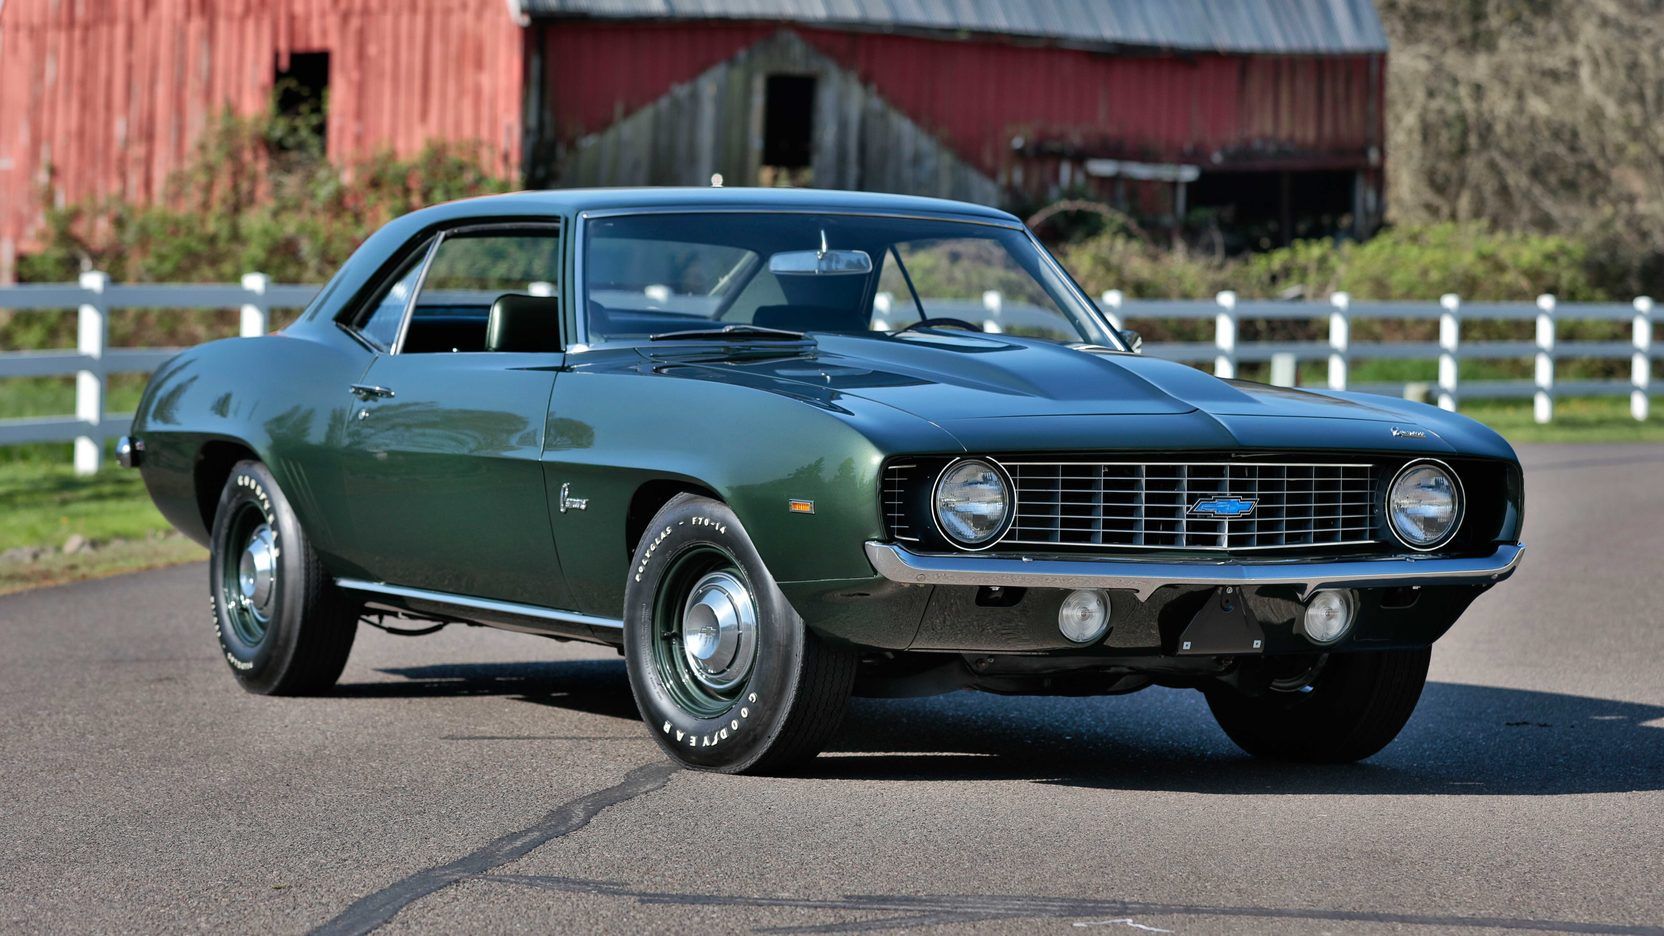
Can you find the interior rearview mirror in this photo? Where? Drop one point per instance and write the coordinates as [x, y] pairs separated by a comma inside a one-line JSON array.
[[1135, 341], [820, 263]]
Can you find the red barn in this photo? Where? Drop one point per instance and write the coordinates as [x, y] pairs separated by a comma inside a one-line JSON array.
[[1265, 113]]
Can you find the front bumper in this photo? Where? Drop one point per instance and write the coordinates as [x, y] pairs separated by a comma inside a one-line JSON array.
[[1144, 576]]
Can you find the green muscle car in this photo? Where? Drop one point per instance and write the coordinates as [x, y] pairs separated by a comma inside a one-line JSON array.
[[782, 446]]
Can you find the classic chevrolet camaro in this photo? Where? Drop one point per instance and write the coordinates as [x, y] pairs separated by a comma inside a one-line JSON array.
[[782, 446]]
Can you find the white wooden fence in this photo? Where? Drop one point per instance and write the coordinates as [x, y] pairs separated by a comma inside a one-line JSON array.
[[92, 360]]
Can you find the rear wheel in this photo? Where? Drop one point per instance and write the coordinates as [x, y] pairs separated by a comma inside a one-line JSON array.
[[725, 673], [1340, 708], [283, 626]]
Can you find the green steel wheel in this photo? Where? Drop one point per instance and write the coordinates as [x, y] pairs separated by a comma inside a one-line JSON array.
[[283, 626], [725, 673], [705, 630], [248, 581]]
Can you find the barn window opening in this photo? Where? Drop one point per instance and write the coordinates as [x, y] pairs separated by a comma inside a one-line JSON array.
[[300, 101], [1260, 210], [788, 129]]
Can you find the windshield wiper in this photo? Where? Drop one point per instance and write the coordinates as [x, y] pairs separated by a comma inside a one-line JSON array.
[[742, 332]]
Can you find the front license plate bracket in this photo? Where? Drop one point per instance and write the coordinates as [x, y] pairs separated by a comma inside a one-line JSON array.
[[1223, 627]]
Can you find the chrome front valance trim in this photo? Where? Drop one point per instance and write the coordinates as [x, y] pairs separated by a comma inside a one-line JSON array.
[[899, 564], [488, 605]]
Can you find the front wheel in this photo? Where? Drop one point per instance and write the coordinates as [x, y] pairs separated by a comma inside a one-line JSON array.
[[1342, 708], [725, 673]]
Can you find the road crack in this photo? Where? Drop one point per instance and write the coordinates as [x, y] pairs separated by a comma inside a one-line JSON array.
[[374, 910]]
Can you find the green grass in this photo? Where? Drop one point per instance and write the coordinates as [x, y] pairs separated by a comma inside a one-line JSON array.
[[1585, 420], [44, 505]]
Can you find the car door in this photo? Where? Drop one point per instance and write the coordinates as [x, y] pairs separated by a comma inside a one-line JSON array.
[[442, 450]]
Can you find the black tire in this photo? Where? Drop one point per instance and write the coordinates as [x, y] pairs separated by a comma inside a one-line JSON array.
[[1355, 705], [792, 695], [296, 640]]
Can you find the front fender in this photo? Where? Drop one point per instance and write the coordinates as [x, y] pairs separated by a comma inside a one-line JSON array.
[[612, 432]]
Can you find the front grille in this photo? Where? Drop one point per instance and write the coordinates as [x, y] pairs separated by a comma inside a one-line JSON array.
[[1153, 506]]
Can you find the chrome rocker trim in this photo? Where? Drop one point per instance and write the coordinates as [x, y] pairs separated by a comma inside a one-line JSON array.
[[899, 564], [485, 605]]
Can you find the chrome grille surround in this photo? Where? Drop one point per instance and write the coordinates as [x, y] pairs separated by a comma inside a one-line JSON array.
[[1150, 505]]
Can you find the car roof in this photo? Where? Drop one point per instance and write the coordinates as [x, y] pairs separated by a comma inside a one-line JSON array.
[[577, 200]]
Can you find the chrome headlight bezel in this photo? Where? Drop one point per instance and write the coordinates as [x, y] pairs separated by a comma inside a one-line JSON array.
[[1006, 489], [1457, 516]]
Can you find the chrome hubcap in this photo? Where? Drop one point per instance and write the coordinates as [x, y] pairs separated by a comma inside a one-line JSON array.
[[257, 570], [719, 630]]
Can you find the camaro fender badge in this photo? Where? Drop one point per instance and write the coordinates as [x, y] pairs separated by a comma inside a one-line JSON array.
[[1402, 433], [1224, 507], [568, 502]]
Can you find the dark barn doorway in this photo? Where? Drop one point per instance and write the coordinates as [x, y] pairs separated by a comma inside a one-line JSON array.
[[788, 130], [1269, 209], [300, 95]]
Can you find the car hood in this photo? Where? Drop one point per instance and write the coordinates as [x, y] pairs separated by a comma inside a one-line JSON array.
[[995, 392]]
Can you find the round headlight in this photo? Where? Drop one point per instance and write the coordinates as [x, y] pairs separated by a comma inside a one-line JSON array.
[[972, 502], [1424, 504]]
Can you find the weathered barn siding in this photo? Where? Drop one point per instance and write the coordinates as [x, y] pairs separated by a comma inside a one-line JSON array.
[[712, 123], [1014, 113], [106, 97]]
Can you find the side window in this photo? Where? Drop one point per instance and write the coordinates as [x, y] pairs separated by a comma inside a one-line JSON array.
[[470, 271], [378, 321]]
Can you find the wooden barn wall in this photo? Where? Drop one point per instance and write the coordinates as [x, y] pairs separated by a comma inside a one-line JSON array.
[[713, 124], [979, 97], [106, 97]]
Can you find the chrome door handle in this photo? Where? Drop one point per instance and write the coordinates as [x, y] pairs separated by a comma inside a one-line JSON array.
[[370, 392]]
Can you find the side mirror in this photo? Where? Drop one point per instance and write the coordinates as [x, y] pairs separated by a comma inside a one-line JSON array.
[[1135, 341]]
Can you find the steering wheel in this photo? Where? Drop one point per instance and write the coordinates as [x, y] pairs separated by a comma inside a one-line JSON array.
[[938, 322]]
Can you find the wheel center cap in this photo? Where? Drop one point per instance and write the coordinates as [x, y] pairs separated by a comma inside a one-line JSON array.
[[719, 630], [257, 569]]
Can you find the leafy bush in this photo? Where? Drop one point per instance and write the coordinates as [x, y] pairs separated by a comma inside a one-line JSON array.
[[257, 195], [1403, 263]]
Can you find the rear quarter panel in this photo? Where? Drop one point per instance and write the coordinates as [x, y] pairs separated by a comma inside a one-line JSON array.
[[283, 397]]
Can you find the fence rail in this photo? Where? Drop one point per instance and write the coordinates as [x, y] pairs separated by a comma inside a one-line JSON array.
[[93, 360]]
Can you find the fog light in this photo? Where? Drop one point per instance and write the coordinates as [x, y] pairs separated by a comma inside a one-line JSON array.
[[1084, 616], [1329, 616]]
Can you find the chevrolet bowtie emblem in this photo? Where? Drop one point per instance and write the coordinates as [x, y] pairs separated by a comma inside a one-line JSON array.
[[1223, 507]]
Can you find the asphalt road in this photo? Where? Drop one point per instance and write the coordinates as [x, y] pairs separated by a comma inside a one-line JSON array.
[[484, 781]]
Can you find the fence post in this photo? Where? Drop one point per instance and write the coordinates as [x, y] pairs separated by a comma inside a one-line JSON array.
[[1111, 305], [92, 334], [1640, 363], [1340, 340], [1450, 337], [256, 312], [1542, 401], [1285, 369], [882, 305], [1224, 336], [992, 305]]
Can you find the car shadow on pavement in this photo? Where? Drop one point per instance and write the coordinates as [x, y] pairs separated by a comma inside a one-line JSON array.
[[597, 687], [1463, 739]]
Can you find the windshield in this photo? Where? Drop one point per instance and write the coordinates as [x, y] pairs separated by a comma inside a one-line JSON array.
[[647, 275]]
